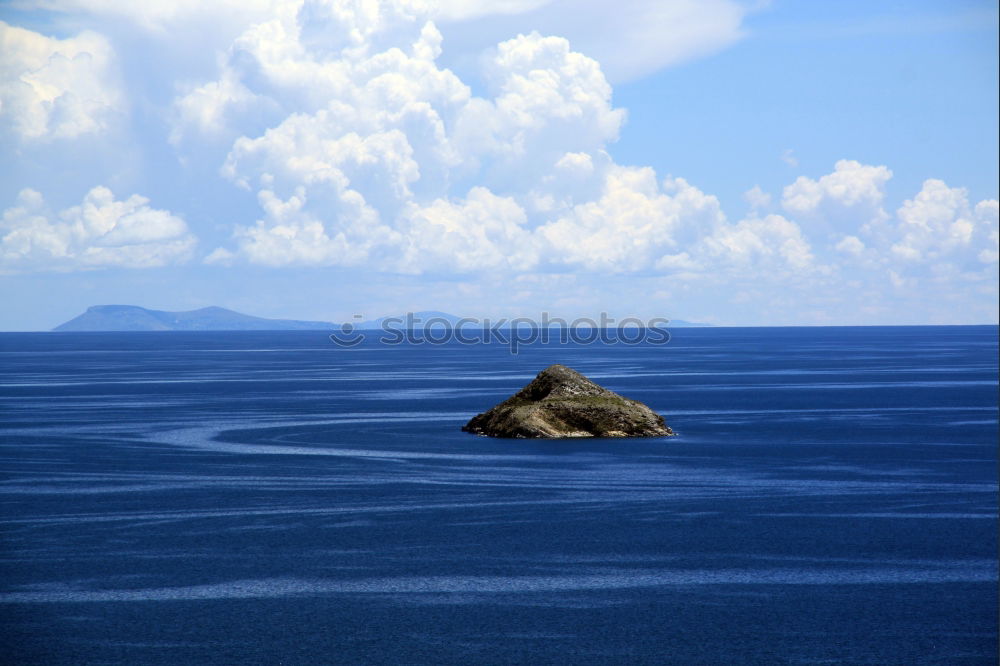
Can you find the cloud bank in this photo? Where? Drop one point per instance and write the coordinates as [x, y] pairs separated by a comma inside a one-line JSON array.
[[363, 150], [101, 232], [57, 88]]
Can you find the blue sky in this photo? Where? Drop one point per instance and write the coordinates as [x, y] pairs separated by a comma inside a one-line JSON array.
[[744, 163]]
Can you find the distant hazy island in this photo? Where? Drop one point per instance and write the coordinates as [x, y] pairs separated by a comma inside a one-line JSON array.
[[214, 318], [134, 318]]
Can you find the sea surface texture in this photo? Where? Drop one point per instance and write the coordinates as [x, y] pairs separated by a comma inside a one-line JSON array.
[[195, 498]]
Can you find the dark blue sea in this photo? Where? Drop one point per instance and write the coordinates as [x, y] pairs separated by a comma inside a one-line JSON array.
[[259, 497]]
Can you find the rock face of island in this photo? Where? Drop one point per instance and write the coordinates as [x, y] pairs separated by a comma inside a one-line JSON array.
[[560, 402]]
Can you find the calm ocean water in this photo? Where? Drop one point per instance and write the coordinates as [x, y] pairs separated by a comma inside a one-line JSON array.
[[271, 498]]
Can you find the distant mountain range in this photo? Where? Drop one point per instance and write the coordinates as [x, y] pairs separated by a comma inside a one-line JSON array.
[[135, 318]]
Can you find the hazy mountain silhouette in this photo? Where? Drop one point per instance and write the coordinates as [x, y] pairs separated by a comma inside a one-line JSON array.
[[134, 318]]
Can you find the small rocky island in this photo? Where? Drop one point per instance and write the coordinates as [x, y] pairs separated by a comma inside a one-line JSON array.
[[560, 402]]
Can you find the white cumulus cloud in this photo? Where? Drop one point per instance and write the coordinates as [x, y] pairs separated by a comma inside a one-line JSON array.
[[371, 157], [938, 224], [454, 138], [160, 15], [757, 198], [851, 245], [762, 245], [100, 232], [483, 231], [385, 159], [936, 237], [634, 224], [853, 193], [57, 88], [291, 234], [659, 33]]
